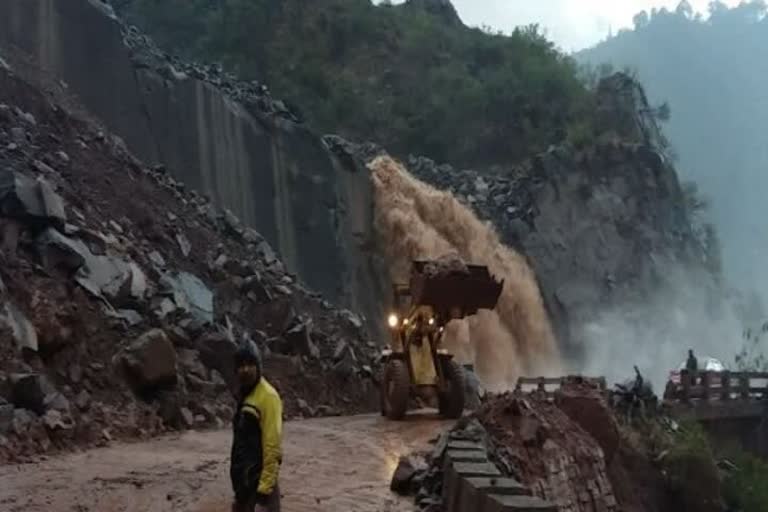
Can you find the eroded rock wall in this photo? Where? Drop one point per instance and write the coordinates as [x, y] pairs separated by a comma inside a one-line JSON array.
[[236, 144]]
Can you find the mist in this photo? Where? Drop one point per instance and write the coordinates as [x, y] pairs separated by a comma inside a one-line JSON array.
[[416, 221], [711, 70], [687, 311]]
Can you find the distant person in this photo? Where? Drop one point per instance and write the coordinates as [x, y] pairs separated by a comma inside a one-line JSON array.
[[637, 386], [257, 437], [692, 365]]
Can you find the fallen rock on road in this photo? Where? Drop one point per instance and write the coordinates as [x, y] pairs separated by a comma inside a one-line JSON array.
[[112, 313]]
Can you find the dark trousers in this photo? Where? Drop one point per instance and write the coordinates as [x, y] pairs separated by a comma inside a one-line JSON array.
[[250, 506]]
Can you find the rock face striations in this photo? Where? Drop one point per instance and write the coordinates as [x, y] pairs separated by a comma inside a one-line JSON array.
[[228, 140]]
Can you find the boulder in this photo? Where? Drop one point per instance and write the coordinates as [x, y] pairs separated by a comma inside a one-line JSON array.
[[59, 251], [253, 284], [186, 417], [131, 316], [351, 318], [217, 352], [403, 476], [189, 360], [179, 336], [30, 200], [109, 276], [170, 410], [251, 236], [10, 230], [150, 361], [23, 331], [55, 420], [138, 284], [184, 244], [304, 408], [32, 391], [6, 416], [162, 306], [190, 294], [232, 223], [157, 259], [22, 420], [265, 252], [345, 360], [299, 338]]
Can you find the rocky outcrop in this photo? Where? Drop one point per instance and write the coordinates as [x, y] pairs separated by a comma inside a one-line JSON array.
[[601, 226], [228, 140], [442, 9]]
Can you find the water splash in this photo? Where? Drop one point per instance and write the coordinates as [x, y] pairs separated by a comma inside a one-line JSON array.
[[416, 221]]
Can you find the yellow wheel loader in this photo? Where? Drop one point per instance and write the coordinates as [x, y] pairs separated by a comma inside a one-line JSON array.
[[416, 364]]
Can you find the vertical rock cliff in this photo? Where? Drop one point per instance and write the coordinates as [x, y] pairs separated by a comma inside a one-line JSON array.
[[228, 140]]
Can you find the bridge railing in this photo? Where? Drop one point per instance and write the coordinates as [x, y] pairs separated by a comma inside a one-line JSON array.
[[714, 386]]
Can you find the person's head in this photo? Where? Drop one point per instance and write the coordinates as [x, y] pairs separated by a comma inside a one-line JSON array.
[[248, 365], [690, 352]]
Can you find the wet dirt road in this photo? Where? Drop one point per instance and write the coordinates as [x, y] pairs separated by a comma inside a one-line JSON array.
[[340, 464]]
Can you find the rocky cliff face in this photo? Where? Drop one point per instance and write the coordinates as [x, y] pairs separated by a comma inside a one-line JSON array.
[[596, 225], [228, 140], [443, 9]]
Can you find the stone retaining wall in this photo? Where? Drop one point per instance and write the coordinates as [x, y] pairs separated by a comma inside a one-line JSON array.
[[471, 483]]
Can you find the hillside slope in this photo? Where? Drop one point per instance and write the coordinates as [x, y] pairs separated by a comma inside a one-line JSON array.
[[710, 71], [123, 295], [411, 77]]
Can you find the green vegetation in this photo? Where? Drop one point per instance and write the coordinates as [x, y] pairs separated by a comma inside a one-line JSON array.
[[697, 481], [745, 488], [409, 79], [691, 473], [710, 67]]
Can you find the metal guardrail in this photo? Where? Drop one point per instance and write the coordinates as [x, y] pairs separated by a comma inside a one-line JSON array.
[[549, 385]]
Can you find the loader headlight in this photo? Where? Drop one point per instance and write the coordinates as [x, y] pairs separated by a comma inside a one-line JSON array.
[[431, 321], [392, 320]]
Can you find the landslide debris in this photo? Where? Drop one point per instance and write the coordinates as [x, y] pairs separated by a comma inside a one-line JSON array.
[[123, 295], [568, 448]]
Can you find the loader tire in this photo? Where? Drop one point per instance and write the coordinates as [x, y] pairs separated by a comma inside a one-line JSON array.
[[395, 390], [451, 401], [382, 398]]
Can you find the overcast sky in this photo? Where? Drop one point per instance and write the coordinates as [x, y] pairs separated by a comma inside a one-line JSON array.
[[572, 24]]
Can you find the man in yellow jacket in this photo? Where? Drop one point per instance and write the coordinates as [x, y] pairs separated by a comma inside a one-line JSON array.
[[257, 437]]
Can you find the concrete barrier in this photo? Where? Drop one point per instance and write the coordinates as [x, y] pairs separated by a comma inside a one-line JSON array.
[[472, 483]]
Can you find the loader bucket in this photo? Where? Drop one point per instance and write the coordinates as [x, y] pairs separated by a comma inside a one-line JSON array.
[[470, 288]]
